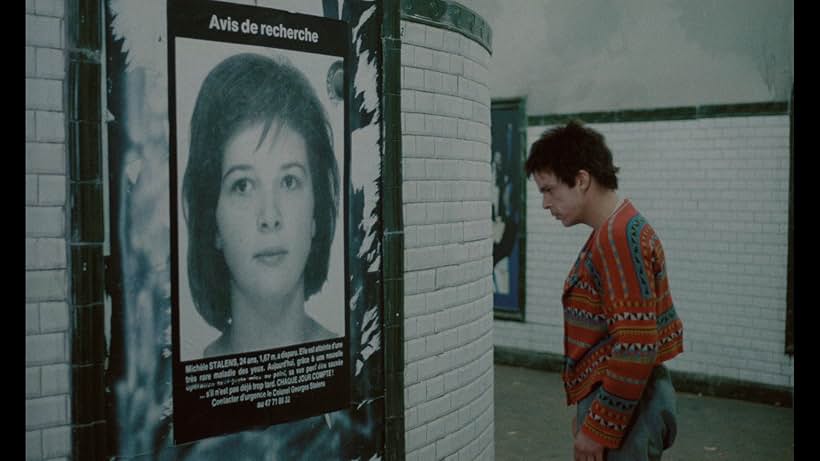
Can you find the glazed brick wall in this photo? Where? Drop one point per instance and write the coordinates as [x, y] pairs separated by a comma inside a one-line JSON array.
[[717, 192], [48, 373], [448, 245]]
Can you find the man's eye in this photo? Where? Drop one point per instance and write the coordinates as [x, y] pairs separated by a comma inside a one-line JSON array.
[[242, 186], [291, 182]]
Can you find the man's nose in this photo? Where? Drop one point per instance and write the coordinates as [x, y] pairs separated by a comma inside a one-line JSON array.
[[546, 202]]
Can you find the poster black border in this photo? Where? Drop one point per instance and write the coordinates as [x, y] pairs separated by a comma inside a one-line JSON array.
[[189, 19], [516, 311]]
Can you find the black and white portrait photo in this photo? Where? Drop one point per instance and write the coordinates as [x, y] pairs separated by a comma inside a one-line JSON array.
[[260, 229]]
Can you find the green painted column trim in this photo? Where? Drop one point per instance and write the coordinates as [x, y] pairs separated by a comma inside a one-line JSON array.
[[393, 233], [86, 235], [666, 113], [790, 277], [450, 15]]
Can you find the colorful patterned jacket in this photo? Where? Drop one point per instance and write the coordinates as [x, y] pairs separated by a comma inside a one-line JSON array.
[[619, 322]]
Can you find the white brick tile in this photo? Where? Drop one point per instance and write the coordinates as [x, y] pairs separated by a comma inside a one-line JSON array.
[[32, 382], [31, 131], [46, 411], [413, 78], [425, 325], [45, 285], [435, 431], [44, 31], [423, 57], [414, 169], [44, 221], [425, 102], [408, 55], [426, 280], [414, 123], [425, 145], [415, 305], [409, 192], [54, 317], [434, 344], [45, 349], [452, 42], [54, 8], [441, 61], [416, 438], [52, 190], [56, 442], [434, 213], [412, 32], [50, 126], [50, 63], [416, 394], [434, 38], [411, 374], [410, 325], [428, 368], [34, 444], [426, 236], [456, 66], [45, 254], [56, 379], [408, 103], [433, 81], [31, 62], [31, 189], [414, 213], [32, 318]]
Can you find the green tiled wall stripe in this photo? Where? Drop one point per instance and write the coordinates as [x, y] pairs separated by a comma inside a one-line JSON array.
[[393, 233], [83, 25], [86, 229], [87, 387], [85, 137], [712, 386], [449, 15], [85, 77], [88, 347], [86, 211], [664, 114], [87, 275], [85, 439], [790, 284]]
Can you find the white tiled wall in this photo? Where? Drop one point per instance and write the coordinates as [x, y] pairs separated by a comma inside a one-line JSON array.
[[717, 192], [47, 315], [448, 246]]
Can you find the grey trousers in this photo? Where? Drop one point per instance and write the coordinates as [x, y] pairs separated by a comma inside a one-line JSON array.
[[654, 424]]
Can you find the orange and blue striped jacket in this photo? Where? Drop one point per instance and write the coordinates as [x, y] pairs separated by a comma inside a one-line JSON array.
[[619, 322]]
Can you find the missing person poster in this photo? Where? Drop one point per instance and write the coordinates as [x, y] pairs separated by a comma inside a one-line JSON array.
[[259, 136]]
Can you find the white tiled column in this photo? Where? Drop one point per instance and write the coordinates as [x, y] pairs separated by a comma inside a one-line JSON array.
[[48, 431], [448, 245]]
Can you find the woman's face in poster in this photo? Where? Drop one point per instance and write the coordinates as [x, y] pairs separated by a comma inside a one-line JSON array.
[[264, 214]]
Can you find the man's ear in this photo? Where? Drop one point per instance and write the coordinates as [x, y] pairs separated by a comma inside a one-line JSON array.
[[583, 180]]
